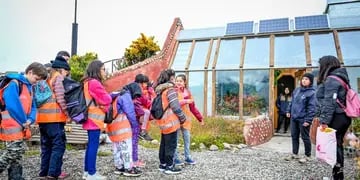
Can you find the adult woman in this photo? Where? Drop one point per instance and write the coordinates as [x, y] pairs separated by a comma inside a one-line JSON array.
[[329, 112]]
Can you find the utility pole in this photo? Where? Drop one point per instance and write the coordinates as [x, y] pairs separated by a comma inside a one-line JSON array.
[[74, 36]]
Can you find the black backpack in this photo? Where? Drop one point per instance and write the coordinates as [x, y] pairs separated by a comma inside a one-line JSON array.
[[75, 100], [4, 81], [112, 112], [156, 109]]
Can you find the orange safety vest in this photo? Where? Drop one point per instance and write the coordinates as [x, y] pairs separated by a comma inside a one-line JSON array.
[[169, 123], [50, 112], [10, 129], [185, 108], [120, 129], [95, 114]]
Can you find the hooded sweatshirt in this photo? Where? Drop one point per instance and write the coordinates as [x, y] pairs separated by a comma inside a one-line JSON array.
[[13, 103]]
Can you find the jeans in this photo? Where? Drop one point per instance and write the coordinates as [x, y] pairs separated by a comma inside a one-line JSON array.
[[135, 143], [122, 152], [167, 149], [186, 137], [297, 128], [53, 141], [91, 151], [341, 123]]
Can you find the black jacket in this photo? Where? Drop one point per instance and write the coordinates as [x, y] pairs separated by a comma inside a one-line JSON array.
[[327, 93]]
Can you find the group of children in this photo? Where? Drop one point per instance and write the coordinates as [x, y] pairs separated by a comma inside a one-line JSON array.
[[132, 104]]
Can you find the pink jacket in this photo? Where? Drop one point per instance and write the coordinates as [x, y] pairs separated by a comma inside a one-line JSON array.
[[101, 97], [187, 95]]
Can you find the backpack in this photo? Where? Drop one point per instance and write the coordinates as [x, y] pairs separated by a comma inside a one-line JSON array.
[[157, 110], [4, 81], [352, 108], [75, 100], [42, 93], [112, 112]]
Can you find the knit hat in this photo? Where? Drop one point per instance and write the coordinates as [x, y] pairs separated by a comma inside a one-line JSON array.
[[310, 76], [60, 62]]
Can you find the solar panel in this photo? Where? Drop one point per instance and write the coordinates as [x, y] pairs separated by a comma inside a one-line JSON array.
[[240, 28], [311, 22], [274, 25]]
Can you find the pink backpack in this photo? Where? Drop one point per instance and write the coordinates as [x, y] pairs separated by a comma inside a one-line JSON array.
[[352, 108]]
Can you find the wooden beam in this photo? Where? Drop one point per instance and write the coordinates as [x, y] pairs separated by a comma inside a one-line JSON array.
[[271, 96], [272, 50], [307, 48], [205, 93], [243, 48], [241, 94], [337, 46], [209, 54], [190, 55], [174, 54], [213, 95], [216, 53]]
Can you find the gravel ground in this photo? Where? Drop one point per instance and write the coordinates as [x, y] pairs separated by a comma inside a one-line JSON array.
[[246, 163]]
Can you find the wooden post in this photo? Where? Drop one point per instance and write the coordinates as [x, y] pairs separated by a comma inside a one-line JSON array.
[[205, 93], [242, 56], [209, 54], [307, 49], [174, 54], [272, 53], [190, 55], [337, 46]]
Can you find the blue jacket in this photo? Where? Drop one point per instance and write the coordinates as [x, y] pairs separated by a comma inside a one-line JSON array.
[[303, 105], [13, 103], [282, 103], [126, 105]]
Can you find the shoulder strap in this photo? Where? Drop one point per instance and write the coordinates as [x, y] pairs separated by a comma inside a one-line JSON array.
[[346, 86]]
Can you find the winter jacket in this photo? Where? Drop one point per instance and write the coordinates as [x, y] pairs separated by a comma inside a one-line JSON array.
[[13, 103], [303, 104], [327, 93], [125, 105], [282, 103], [187, 95], [135, 92]]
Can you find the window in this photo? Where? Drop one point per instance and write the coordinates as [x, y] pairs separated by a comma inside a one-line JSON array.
[[181, 56], [354, 77], [196, 87], [257, 53], [289, 51], [199, 55], [227, 93], [256, 92], [350, 47], [212, 56], [321, 45], [229, 54]]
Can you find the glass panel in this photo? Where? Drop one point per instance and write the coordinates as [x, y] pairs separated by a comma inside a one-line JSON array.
[[289, 51], [227, 93], [320, 45], [257, 53], [196, 87], [212, 56], [209, 94], [181, 56], [229, 54], [354, 76], [201, 33], [256, 92], [350, 47], [199, 55]]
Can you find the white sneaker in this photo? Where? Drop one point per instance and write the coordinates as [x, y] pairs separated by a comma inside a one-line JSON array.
[[84, 176], [95, 176]]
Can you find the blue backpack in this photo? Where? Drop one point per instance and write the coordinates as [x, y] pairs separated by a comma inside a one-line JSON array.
[[42, 93]]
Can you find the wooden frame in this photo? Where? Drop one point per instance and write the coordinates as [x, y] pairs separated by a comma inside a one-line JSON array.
[[307, 48], [190, 55], [174, 54], [337, 46]]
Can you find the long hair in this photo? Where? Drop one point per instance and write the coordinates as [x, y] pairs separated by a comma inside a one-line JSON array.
[[183, 77], [93, 70], [327, 65], [165, 76]]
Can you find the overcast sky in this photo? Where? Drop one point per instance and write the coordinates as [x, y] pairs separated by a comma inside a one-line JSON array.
[[36, 30]]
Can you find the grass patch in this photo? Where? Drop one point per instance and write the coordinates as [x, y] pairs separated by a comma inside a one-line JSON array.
[[104, 153], [31, 153], [215, 131]]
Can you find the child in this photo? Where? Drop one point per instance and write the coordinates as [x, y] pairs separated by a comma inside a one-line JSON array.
[[120, 134], [19, 113], [188, 106], [170, 121], [93, 89], [302, 111], [282, 104], [51, 119]]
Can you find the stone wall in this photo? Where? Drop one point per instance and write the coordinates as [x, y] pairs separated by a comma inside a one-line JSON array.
[[258, 130]]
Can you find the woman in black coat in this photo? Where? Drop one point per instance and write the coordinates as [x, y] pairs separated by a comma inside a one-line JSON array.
[[329, 112]]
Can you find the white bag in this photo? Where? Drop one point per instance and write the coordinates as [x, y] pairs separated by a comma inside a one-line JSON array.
[[326, 146]]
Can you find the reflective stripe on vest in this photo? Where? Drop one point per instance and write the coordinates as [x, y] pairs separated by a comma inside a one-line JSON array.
[[169, 122], [188, 114], [10, 129], [120, 129], [50, 111], [95, 114]]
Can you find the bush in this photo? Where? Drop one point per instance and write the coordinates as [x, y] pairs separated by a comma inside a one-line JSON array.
[[215, 131]]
